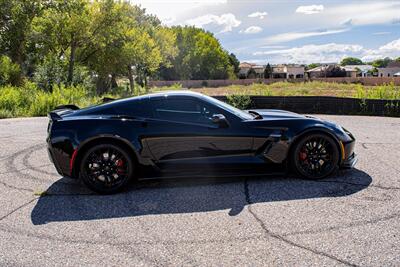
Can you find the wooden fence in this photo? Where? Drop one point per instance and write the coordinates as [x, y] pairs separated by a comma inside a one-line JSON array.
[[326, 105]]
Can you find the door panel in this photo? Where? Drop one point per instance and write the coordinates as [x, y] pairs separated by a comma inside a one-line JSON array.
[[177, 141], [183, 132]]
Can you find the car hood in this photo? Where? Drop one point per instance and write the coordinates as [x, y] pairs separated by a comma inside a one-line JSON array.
[[277, 114]]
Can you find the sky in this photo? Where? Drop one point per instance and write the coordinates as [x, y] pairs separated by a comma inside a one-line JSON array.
[[283, 31]]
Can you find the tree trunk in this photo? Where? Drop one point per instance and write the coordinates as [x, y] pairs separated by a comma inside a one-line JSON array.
[[71, 63], [102, 84], [114, 83], [131, 80]]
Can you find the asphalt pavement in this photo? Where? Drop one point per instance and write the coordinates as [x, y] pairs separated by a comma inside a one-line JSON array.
[[349, 219]]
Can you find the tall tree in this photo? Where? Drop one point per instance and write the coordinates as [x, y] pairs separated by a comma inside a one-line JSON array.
[[267, 71], [200, 56], [351, 61], [16, 18], [235, 63], [381, 63]]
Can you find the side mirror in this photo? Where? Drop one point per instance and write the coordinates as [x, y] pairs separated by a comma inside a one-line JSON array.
[[220, 120]]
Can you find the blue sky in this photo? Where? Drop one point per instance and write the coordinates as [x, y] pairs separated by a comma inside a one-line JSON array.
[[291, 31]]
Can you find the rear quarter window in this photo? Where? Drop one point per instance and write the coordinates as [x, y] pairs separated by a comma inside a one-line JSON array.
[[129, 108]]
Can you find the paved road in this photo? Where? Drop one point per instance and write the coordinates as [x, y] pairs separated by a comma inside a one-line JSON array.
[[349, 219]]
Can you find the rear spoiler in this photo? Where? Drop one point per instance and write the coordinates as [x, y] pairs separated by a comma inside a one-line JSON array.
[[71, 107], [56, 114]]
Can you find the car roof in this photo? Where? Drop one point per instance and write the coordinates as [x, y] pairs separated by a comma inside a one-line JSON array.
[[122, 101]]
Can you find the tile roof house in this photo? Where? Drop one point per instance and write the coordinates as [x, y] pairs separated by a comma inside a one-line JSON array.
[[325, 71], [284, 71], [359, 70], [392, 70]]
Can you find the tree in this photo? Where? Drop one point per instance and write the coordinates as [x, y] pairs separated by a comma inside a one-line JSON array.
[[235, 63], [63, 29], [251, 74], [268, 72], [16, 18], [200, 57], [381, 63], [335, 71], [9, 71], [312, 66], [351, 61]]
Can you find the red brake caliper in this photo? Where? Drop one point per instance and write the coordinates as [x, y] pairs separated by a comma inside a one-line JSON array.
[[302, 155], [120, 163]]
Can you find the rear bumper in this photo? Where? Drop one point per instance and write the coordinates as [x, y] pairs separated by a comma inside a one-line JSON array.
[[60, 159]]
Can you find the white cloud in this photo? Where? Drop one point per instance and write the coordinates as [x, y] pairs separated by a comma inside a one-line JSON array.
[[381, 33], [308, 10], [364, 13], [227, 21], [393, 46], [166, 10], [391, 49], [331, 52], [252, 30], [291, 36], [258, 14], [273, 46]]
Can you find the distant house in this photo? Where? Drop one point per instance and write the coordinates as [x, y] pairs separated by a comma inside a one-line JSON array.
[[320, 71], [392, 69], [259, 71], [244, 69], [289, 71], [331, 70], [282, 71], [358, 70]]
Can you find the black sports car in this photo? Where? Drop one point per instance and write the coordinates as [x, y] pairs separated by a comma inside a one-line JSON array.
[[188, 134]]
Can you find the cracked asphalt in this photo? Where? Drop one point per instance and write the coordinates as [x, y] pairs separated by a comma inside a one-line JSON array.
[[349, 219]]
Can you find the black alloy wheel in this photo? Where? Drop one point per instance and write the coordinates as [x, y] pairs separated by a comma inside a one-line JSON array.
[[106, 168], [316, 156]]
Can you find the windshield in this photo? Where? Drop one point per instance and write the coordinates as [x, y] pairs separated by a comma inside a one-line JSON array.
[[240, 113]]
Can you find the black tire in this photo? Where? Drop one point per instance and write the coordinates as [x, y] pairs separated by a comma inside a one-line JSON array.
[[315, 156], [106, 168]]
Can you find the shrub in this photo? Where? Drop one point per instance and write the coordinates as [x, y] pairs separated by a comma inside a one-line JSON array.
[[50, 72], [53, 72], [240, 101], [9, 71], [29, 100]]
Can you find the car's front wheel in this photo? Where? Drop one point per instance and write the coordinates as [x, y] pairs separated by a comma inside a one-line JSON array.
[[315, 156], [106, 168]]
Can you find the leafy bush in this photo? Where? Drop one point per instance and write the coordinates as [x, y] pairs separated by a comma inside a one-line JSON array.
[[53, 72], [29, 100], [9, 72], [386, 91], [240, 101]]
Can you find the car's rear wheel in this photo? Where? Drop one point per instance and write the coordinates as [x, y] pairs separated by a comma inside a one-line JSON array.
[[315, 156], [106, 168]]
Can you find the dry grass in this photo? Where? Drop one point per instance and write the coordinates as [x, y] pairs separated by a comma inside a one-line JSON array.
[[300, 89]]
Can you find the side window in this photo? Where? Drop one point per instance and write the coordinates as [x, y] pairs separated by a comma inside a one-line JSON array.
[[135, 109], [139, 108], [183, 110]]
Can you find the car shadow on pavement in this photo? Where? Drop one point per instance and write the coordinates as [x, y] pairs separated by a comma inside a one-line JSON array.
[[67, 200]]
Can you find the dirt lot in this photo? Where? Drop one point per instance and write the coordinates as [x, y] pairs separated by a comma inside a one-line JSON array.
[[351, 218]]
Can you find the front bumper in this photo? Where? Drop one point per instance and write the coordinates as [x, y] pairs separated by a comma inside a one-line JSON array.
[[349, 158], [350, 162]]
